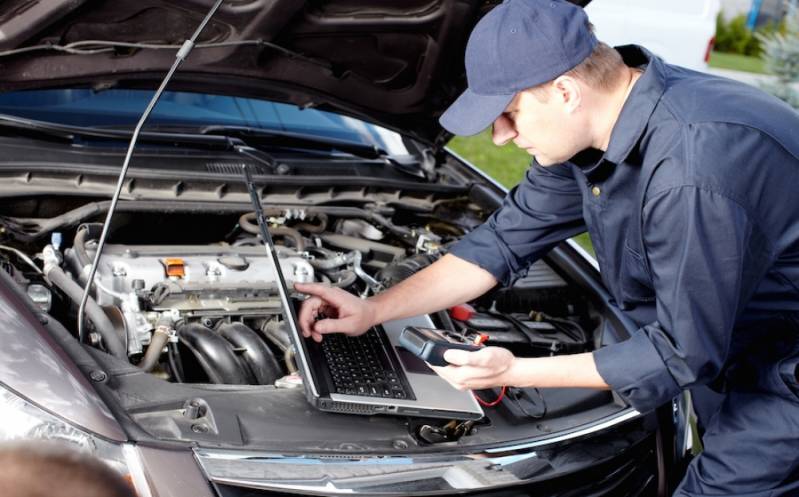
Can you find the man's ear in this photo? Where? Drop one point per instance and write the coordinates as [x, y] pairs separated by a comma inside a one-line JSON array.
[[568, 92]]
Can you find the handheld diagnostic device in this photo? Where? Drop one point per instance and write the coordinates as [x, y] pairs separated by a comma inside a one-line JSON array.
[[429, 344]]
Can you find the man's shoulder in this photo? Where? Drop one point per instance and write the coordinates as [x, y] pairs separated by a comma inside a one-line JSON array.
[[692, 100]]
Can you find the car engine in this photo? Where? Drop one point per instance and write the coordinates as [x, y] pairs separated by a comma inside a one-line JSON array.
[[210, 312]]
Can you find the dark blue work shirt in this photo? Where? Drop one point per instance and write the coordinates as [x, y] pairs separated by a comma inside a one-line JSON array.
[[693, 211]]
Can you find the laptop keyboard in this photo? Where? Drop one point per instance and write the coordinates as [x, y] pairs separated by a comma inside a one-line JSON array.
[[359, 366]]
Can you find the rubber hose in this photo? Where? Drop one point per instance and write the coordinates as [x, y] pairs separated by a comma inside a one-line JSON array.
[[157, 343], [94, 312], [314, 228], [79, 246], [342, 279], [333, 262], [247, 224]]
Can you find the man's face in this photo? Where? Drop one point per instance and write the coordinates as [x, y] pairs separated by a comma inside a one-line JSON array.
[[546, 128]]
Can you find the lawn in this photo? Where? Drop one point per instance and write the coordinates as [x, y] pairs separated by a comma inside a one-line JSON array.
[[737, 62], [505, 164]]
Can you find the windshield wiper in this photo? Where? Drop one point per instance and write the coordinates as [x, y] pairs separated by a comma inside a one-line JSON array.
[[243, 140], [275, 138], [71, 134]]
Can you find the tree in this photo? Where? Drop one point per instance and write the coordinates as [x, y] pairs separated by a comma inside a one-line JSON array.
[[781, 55]]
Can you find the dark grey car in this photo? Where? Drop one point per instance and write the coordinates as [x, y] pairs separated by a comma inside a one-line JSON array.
[[186, 379]]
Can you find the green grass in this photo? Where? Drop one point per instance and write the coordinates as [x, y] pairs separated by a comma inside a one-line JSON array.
[[505, 164], [737, 62]]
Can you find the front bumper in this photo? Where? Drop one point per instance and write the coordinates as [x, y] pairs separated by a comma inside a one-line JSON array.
[[615, 457]]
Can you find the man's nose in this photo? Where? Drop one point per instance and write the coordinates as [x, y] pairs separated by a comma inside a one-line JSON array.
[[503, 131]]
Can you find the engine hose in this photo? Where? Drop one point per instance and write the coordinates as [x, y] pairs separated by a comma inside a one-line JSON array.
[[333, 262], [314, 228], [94, 312], [276, 333], [248, 224], [291, 363], [79, 246], [342, 279], [157, 343]]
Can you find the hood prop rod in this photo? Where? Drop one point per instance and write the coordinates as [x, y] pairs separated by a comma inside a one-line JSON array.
[[181, 55]]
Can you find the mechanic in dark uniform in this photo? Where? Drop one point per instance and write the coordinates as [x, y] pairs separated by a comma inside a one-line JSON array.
[[689, 187]]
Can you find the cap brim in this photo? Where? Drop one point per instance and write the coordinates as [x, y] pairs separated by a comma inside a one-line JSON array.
[[472, 113]]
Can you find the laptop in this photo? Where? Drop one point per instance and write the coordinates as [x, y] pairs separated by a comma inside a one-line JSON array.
[[368, 374]]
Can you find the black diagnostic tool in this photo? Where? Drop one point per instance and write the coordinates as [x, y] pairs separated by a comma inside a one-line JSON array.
[[429, 344]]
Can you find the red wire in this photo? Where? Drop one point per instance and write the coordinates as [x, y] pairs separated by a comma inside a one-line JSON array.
[[493, 402]]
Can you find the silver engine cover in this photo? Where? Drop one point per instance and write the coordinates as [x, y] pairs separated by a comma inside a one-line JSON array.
[[216, 280]]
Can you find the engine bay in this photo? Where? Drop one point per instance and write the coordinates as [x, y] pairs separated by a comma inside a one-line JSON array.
[[208, 316]]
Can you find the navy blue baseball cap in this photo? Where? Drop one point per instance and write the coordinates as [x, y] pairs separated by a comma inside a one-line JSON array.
[[517, 45]]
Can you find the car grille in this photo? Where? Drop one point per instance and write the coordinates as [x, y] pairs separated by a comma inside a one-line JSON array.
[[632, 474]]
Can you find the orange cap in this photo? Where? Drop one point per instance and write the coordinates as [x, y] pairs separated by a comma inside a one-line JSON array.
[[175, 267]]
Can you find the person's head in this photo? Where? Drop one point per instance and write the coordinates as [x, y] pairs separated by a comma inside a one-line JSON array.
[[539, 75], [42, 469]]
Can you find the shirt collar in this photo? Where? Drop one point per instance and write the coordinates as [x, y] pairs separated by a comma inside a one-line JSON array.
[[637, 109]]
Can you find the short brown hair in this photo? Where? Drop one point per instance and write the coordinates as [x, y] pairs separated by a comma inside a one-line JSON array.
[[601, 70]]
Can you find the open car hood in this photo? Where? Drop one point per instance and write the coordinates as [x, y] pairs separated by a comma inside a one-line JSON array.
[[398, 63]]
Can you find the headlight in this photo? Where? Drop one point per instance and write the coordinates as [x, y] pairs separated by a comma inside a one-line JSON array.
[[21, 420]]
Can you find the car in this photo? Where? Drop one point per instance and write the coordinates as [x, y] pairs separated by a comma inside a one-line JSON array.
[[682, 32], [185, 379]]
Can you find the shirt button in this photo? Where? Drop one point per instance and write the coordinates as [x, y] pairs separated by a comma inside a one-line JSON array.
[[596, 191]]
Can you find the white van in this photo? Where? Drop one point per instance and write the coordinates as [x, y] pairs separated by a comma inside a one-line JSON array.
[[680, 31]]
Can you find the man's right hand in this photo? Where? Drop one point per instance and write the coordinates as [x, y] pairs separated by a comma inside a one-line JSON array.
[[333, 310]]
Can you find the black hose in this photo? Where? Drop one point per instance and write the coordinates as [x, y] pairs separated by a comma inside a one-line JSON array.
[[249, 224], [79, 246], [174, 362], [342, 279], [94, 312]]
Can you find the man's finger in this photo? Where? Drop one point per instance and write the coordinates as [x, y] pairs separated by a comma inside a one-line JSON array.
[[458, 357], [315, 289], [308, 312], [334, 326]]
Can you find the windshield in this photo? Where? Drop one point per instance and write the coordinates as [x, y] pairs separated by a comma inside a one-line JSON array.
[[123, 108]]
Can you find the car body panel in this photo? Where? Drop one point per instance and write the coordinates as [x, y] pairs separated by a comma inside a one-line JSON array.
[[34, 366]]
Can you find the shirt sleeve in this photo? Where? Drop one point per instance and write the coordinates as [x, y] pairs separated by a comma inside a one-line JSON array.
[[543, 210], [706, 256]]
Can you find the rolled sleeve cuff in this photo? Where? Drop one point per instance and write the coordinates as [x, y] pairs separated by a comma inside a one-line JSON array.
[[635, 370], [480, 247]]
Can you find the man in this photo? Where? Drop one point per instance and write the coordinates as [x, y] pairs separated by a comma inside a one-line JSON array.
[[687, 184]]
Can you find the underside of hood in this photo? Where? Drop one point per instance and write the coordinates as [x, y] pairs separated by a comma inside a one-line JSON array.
[[398, 63]]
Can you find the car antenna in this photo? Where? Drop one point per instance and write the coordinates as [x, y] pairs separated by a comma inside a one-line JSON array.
[[181, 55]]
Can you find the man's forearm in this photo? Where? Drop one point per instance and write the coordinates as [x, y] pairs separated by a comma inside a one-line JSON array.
[[446, 282], [576, 370]]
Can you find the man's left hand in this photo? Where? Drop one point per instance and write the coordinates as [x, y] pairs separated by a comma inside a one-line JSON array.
[[485, 368]]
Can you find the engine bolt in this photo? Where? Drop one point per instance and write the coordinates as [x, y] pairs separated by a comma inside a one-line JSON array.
[[98, 376], [399, 444], [199, 428]]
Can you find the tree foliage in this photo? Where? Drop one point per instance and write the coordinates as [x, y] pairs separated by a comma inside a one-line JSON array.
[[781, 56]]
